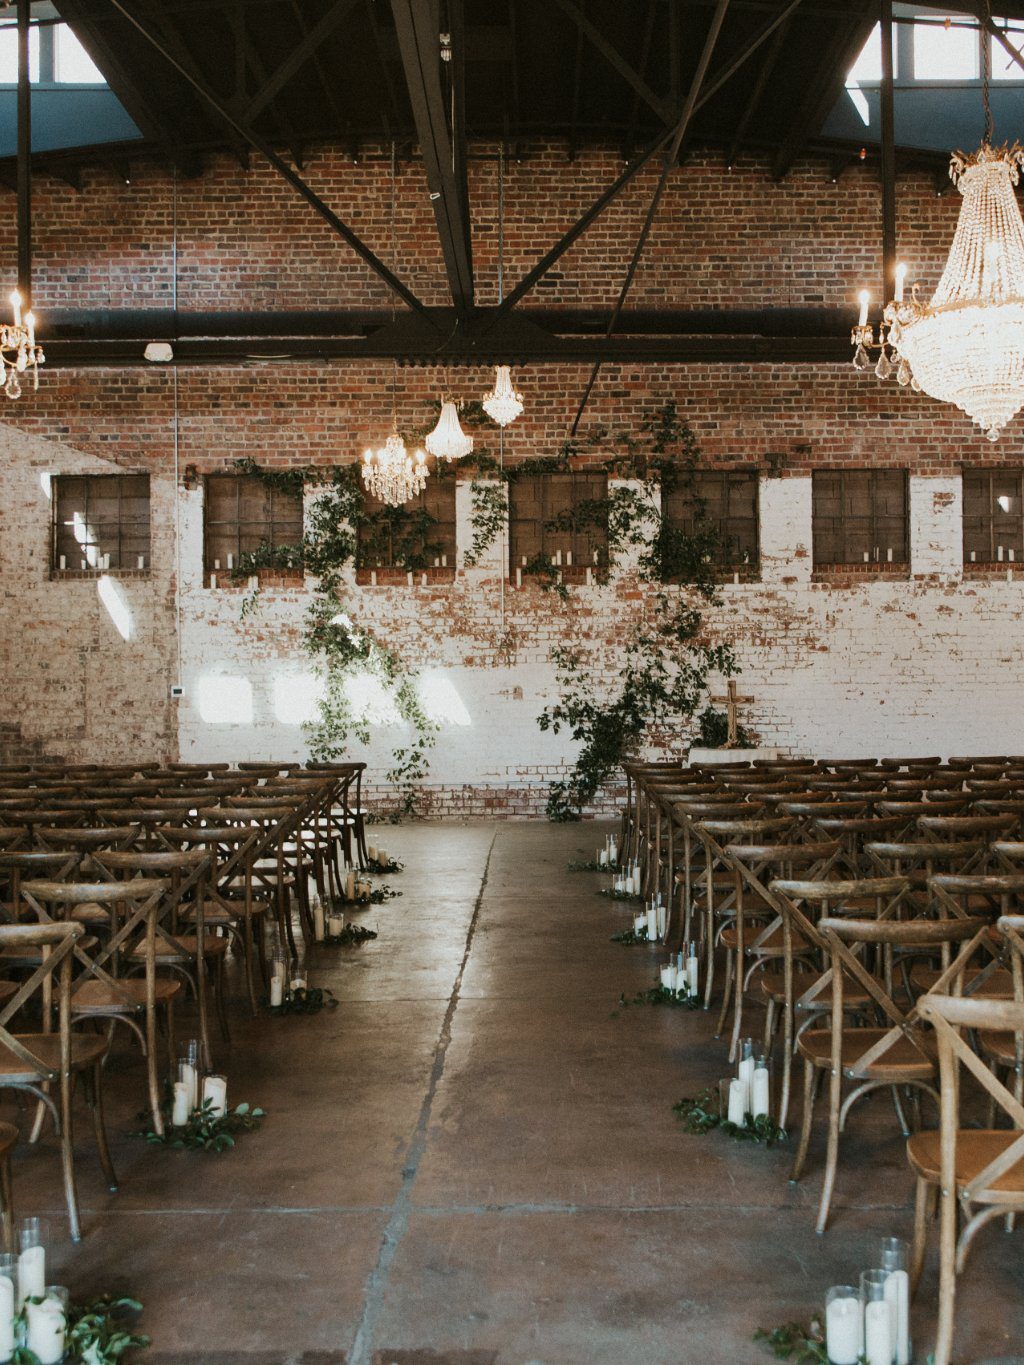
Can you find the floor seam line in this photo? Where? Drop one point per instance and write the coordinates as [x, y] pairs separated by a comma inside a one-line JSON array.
[[397, 1224]]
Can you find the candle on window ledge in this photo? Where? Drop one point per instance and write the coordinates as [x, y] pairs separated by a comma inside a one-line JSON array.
[[843, 1324], [999, 553], [215, 1089], [84, 564], [519, 578], [373, 578], [8, 1296], [408, 578], [141, 562], [888, 555], [568, 559], [213, 580], [216, 565], [590, 576], [33, 1235], [558, 558], [867, 557], [524, 561], [444, 561], [423, 579], [63, 562], [437, 562], [973, 556], [735, 579], [231, 561], [46, 1325], [1009, 554]]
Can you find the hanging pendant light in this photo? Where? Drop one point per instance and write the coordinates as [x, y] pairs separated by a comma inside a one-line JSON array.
[[19, 351], [503, 404], [391, 474], [448, 441]]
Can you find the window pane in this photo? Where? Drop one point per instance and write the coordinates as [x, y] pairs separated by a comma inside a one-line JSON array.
[[945, 54], [1004, 68], [9, 54], [72, 64], [868, 66]]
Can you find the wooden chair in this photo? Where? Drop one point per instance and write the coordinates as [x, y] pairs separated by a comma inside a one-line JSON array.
[[32, 1062], [978, 1172], [887, 1057]]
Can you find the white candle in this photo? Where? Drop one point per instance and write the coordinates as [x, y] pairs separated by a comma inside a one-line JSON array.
[[745, 1072], [590, 576], [602, 857], [373, 578], [692, 973], [231, 561], [437, 562], [759, 1092], [213, 580], [519, 578], [1010, 554], [215, 1089], [568, 559], [423, 580], [371, 853], [867, 557], [973, 556], [999, 553], [216, 564], [877, 1333], [524, 561], [558, 558], [350, 885], [897, 1296], [298, 983], [613, 850], [901, 275], [140, 563], [30, 323], [276, 992], [639, 922], [63, 561], [865, 299], [668, 976], [382, 856], [408, 578], [6, 1317], [888, 554], [652, 924], [45, 1336], [15, 299], [662, 920], [318, 920], [737, 1103], [188, 1075], [444, 561], [335, 924], [842, 1331], [31, 1274], [180, 1110]]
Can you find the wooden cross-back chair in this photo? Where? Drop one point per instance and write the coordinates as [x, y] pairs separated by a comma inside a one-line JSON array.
[[269, 875], [34, 1063], [658, 847], [636, 773], [691, 877], [979, 1173], [347, 814], [852, 833], [982, 895], [312, 844], [874, 1057]]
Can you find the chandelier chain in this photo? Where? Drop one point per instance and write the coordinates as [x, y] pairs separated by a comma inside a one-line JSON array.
[[986, 74]]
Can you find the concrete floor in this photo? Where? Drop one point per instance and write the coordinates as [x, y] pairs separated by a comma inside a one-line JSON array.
[[474, 1160]]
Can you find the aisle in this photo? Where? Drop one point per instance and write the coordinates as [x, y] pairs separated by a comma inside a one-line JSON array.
[[473, 1159]]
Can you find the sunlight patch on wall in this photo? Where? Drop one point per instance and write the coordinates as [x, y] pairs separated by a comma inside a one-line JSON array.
[[113, 597], [371, 700], [440, 699], [224, 699], [296, 697]]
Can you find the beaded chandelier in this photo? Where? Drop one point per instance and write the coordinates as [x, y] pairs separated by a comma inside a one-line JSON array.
[[503, 404], [391, 474], [448, 441]]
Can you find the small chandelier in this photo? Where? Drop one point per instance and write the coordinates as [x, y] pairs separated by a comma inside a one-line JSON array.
[[448, 441], [391, 474], [503, 404], [18, 349]]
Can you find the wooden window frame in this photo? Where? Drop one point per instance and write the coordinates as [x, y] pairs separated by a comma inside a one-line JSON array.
[[370, 571], [878, 564], [1007, 537], [277, 530], [588, 546], [723, 564], [111, 537]]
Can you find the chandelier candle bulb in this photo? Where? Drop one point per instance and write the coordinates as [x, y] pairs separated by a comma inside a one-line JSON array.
[[15, 300], [865, 299], [901, 275], [215, 1089], [843, 1324]]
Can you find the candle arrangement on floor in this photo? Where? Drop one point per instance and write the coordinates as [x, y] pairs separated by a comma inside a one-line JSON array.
[[196, 1112], [378, 861], [679, 977], [625, 886], [39, 1325], [608, 857], [742, 1106], [291, 994]]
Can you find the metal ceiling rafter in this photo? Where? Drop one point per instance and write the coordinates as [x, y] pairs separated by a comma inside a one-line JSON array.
[[615, 59], [645, 57], [442, 136], [281, 166], [776, 25], [671, 154], [313, 39], [756, 92]]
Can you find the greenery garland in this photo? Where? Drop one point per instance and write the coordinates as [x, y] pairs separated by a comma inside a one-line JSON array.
[[96, 1333], [801, 1342], [206, 1131], [702, 1113]]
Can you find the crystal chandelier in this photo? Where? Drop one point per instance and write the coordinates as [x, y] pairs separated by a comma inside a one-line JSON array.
[[965, 346], [391, 474], [448, 441], [503, 404], [18, 349]]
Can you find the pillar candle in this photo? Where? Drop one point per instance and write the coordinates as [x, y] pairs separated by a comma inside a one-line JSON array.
[[335, 925], [350, 885], [141, 562], [897, 1296], [652, 924], [31, 1274], [45, 1335], [276, 992], [423, 580], [215, 1089], [213, 580], [999, 553], [373, 578], [602, 857], [298, 983], [216, 565], [382, 856], [408, 578], [759, 1092], [519, 578], [231, 561], [318, 920], [737, 1103], [613, 850], [639, 922], [842, 1330], [877, 1333], [63, 561], [444, 561], [668, 976], [188, 1076], [590, 576], [180, 1110], [662, 920], [6, 1317], [568, 559], [371, 853], [693, 973], [745, 1072]]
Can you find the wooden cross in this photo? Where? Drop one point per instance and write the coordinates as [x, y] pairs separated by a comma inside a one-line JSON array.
[[732, 702]]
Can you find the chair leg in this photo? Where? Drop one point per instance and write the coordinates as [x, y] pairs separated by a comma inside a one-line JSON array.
[[835, 1096], [807, 1118], [947, 1278], [204, 1027], [151, 1073], [248, 951], [922, 1191], [219, 994], [94, 1095], [67, 1156], [7, 1197], [727, 990]]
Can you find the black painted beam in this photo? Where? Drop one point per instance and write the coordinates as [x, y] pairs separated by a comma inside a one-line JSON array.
[[312, 40], [441, 129], [615, 59]]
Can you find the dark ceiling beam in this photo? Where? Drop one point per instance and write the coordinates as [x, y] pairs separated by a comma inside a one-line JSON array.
[[671, 154], [280, 113], [774, 27], [645, 58], [577, 90], [615, 59], [826, 83], [391, 119], [312, 41], [513, 73], [986, 21], [293, 178], [154, 125], [442, 140], [756, 94]]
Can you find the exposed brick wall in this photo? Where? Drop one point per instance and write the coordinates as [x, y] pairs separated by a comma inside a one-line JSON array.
[[926, 663]]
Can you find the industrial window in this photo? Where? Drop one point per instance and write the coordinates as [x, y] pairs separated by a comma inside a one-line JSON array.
[[560, 519], [55, 56], [419, 535], [100, 522], [1004, 68], [723, 502], [993, 516], [946, 48], [860, 516], [250, 524]]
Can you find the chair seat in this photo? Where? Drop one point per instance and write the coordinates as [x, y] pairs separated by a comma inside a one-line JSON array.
[[184, 948], [998, 986], [8, 989], [999, 1046], [217, 912], [94, 996], [86, 1050], [90, 913], [773, 987], [975, 1148], [773, 945], [900, 1062]]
